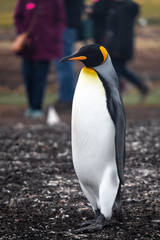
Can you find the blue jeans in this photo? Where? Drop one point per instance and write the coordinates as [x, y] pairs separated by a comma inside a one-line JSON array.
[[66, 74], [123, 71], [35, 73]]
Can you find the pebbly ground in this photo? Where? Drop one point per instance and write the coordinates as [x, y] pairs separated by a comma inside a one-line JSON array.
[[40, 198]]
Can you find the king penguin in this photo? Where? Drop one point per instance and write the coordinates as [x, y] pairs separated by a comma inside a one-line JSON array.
[[98, 135]]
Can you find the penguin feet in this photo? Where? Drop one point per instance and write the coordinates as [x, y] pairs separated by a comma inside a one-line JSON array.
[[95, 225], [90, 222], [91, 228]]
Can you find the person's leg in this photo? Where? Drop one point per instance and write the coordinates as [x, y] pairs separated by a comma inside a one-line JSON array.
[[66, 74], [135, 80], [39, 83], [118, 66], [27, 71]]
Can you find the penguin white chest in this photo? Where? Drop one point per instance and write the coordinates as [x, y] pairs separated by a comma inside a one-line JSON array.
[[93, 131]]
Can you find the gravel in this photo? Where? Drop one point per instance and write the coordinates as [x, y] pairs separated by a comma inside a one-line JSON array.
[[40, 197]]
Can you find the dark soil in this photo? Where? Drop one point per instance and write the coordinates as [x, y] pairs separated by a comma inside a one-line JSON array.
[[40, 197]]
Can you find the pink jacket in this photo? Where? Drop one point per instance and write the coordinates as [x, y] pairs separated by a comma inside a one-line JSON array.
[[46, 37]]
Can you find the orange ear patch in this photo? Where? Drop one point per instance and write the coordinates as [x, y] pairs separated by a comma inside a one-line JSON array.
[[104, 53]]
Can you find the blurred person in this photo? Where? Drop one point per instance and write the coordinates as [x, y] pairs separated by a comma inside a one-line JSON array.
[[43, 22], [85, 29], [117, 35], [98, 15], [66, 72]]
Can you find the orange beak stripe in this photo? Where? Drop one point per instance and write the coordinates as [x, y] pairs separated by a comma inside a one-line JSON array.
[[78, 58]]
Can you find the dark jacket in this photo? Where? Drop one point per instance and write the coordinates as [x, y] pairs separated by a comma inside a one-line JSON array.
[[46, 35], [99, 14], [120, 29], [73, 11], [100, 11]]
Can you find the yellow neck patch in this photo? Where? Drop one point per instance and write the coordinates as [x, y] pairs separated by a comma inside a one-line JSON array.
[[104, 53], [90, 71], [89, 78]]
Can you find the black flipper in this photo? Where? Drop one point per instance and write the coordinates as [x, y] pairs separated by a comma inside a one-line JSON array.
[[119, 121], [116, 110]]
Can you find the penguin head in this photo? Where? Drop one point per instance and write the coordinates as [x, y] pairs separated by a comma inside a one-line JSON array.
[[91, 55]]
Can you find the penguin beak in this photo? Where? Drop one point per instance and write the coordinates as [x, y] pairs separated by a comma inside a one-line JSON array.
[[73, 57]]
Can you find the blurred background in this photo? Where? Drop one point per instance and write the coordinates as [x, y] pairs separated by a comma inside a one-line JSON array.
[[146, 64]]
